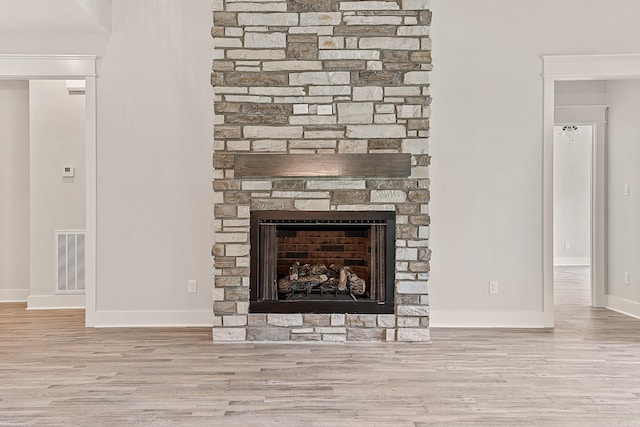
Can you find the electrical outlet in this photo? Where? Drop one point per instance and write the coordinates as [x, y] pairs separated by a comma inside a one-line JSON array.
[[493, 287], [626, 189], [192, 286], [567, 246], [626, 278]]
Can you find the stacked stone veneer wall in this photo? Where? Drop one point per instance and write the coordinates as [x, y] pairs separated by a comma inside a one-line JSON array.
[[310, 77]]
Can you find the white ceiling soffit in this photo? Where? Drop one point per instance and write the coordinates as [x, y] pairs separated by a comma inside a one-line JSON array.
[[55, 16]]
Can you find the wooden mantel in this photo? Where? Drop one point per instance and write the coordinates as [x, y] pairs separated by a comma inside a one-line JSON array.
[[382, 165]]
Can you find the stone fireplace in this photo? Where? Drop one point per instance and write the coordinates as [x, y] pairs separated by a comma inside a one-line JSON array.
[[321, 185]]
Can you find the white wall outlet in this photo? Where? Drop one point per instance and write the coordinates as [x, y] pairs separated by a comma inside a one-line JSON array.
[[626, 278], [567, 246], [626, 189], [493, 287], [192, 286]]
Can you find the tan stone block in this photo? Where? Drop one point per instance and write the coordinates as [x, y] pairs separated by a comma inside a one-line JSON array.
[[224, 307], [257, 319], [229, 334], [265, 132], [386, 320], [291, 65], [412, 287], [373, 21], [415, 4], [334, 337], [276, 319], [320, 78], [355, 112], [312, 205], [234, 320], [257, 54], [376, 131], [267, 334], [225, 19], [320, 18], [222, 281], [267, 19], [408, 322], [369, 5], [366, 334], [337, 319], [388, 196], [362, 320], [306, 337], [413, 334]]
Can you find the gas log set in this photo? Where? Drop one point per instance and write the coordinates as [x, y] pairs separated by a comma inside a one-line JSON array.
[[320, 279]]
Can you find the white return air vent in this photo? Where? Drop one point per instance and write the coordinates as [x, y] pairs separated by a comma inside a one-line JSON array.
[[69, 256]]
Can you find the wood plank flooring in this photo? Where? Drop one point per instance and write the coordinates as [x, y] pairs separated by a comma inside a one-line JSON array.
[[55, 372]]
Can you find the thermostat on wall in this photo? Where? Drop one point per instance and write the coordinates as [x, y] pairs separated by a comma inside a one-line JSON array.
[[67, 171]]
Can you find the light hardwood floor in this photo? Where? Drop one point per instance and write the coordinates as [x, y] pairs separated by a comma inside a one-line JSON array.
[[55, 372]]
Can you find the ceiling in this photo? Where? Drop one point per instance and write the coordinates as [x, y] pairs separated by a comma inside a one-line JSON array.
[[55, 16]]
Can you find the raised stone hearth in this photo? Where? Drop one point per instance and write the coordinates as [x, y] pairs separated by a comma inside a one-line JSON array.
[[334, 96]]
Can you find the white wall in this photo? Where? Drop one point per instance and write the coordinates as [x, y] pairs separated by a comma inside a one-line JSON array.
[[14, 190], [587, 92], [154, 144], [572, 196], [486, 143], [624, 211], [155, 115], [57, 129]]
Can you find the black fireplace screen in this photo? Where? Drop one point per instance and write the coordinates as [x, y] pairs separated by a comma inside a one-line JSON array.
[[322, 262]]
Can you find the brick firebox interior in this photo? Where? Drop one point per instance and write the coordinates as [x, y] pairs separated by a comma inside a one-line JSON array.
[[321, 78]]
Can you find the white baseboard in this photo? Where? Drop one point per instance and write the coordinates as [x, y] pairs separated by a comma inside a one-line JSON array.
[[571, 261], [13, 295], [53, 302], [143, 319], [486, 319], [624, 306]]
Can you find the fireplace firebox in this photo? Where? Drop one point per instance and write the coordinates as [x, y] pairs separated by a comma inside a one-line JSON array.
[[322, 262]]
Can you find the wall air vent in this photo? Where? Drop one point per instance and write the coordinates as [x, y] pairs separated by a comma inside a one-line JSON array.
[[69, 256]]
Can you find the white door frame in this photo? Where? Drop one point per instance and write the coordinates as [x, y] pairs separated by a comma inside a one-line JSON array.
[[566, 68], [25, 67]]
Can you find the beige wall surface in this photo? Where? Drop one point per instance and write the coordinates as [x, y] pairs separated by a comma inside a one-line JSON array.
[[14, 190], [486, 138]]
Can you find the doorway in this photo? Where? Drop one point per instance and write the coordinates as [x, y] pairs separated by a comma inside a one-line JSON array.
[[62, 67], [572, 177], [565, 68]]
